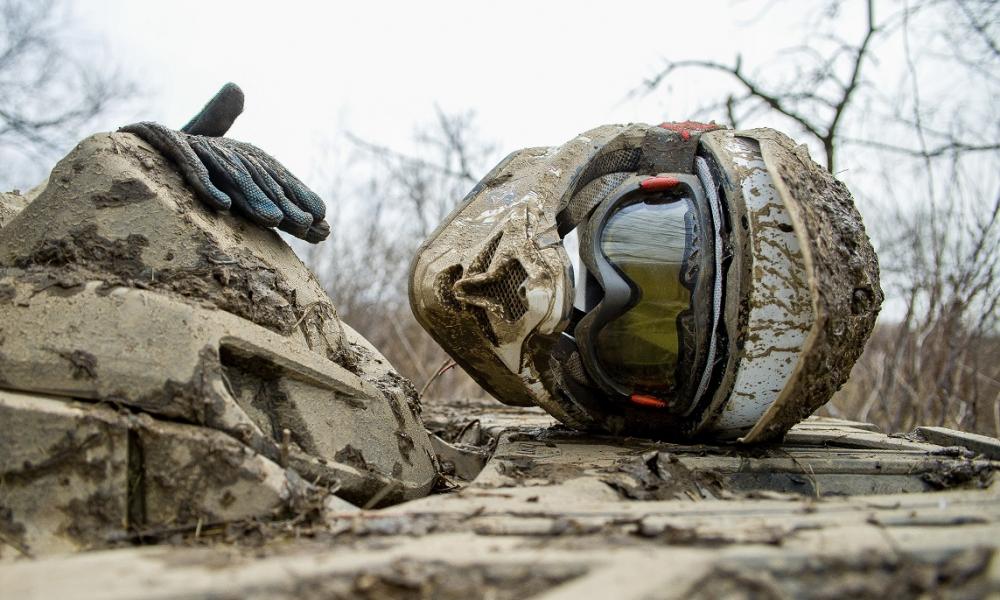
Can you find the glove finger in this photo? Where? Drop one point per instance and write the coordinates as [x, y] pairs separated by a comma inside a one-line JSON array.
[[295, 221], [295, 190], [230, 175], [175, 147], [304, 197], [317, 232], [218, 115]]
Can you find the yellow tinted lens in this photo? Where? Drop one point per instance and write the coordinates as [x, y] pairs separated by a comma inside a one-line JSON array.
[[649, 244]]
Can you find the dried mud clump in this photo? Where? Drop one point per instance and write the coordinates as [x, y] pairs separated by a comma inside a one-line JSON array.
[[661, 476], [240, 285]]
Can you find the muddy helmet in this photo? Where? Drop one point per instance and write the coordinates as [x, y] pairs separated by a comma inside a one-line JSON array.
[[673, 281]]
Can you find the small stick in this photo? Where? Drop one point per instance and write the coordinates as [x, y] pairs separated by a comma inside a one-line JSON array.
[[445, 366]]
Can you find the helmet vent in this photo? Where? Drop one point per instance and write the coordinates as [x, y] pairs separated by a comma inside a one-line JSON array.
[[574, 367], [573, 207], [444, 285], [626, 159], [592, 194], [444, 289], [499, 291], [505, 288], [483, 260]]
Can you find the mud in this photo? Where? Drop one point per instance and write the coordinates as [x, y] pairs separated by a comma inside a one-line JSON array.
[[84, 363], [224, 447], [661, 476], [228, 364], [105, 225], [567, 515], [99, 512], [68, 454], [124, 191], [240, 285], [869, 576], [424, 580], [350, 455], [963, 474]]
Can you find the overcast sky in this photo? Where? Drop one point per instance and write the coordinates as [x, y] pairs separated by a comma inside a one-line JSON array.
[[536, 73]]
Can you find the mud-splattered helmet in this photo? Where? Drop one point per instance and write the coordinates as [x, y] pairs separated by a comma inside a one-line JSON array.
[[668, 281]]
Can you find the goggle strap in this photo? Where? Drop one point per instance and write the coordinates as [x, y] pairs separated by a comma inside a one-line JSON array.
[[711, 192]]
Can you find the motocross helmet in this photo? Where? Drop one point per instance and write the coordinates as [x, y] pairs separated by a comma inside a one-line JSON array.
[[669, 281]]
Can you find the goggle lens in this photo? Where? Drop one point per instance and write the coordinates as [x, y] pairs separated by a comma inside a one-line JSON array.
[[649, 243]]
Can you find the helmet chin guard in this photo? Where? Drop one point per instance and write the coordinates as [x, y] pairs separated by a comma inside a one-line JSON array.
[[777, 281]]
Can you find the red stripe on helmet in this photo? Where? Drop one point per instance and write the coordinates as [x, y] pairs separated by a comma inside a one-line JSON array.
[[684, 128]]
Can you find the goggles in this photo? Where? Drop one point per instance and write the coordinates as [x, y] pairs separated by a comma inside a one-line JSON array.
[[648, 288]]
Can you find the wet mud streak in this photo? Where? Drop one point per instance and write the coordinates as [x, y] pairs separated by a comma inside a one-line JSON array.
[[661, 476], [84, 364]]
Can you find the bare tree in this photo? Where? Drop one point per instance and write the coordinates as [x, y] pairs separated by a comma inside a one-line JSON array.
[[935, 190], [815, 86], [378, 227], [50, 92]]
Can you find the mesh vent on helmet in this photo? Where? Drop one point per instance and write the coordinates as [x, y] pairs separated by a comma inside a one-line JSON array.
[[500, 291], [479, 265], [444, 289], [625, 160], [591, 195], [504, 289], [573, 366]]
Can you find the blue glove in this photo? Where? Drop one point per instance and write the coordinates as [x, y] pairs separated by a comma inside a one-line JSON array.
[[226, 173]]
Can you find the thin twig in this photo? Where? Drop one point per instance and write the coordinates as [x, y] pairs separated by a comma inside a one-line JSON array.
[[445, 366]]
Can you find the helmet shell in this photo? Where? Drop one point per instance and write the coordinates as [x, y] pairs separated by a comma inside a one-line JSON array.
[[842, 275], [494, 285]]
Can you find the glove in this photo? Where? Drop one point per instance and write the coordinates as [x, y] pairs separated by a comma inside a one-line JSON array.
[[225, 172]]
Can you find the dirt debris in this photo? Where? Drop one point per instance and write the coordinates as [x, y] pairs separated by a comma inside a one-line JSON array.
[[966, 473], [868, 576], [84, 363], [661, 476], [419, 580], [544, 507]]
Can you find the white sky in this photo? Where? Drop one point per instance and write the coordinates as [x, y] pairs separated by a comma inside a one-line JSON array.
[[536, 73]]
